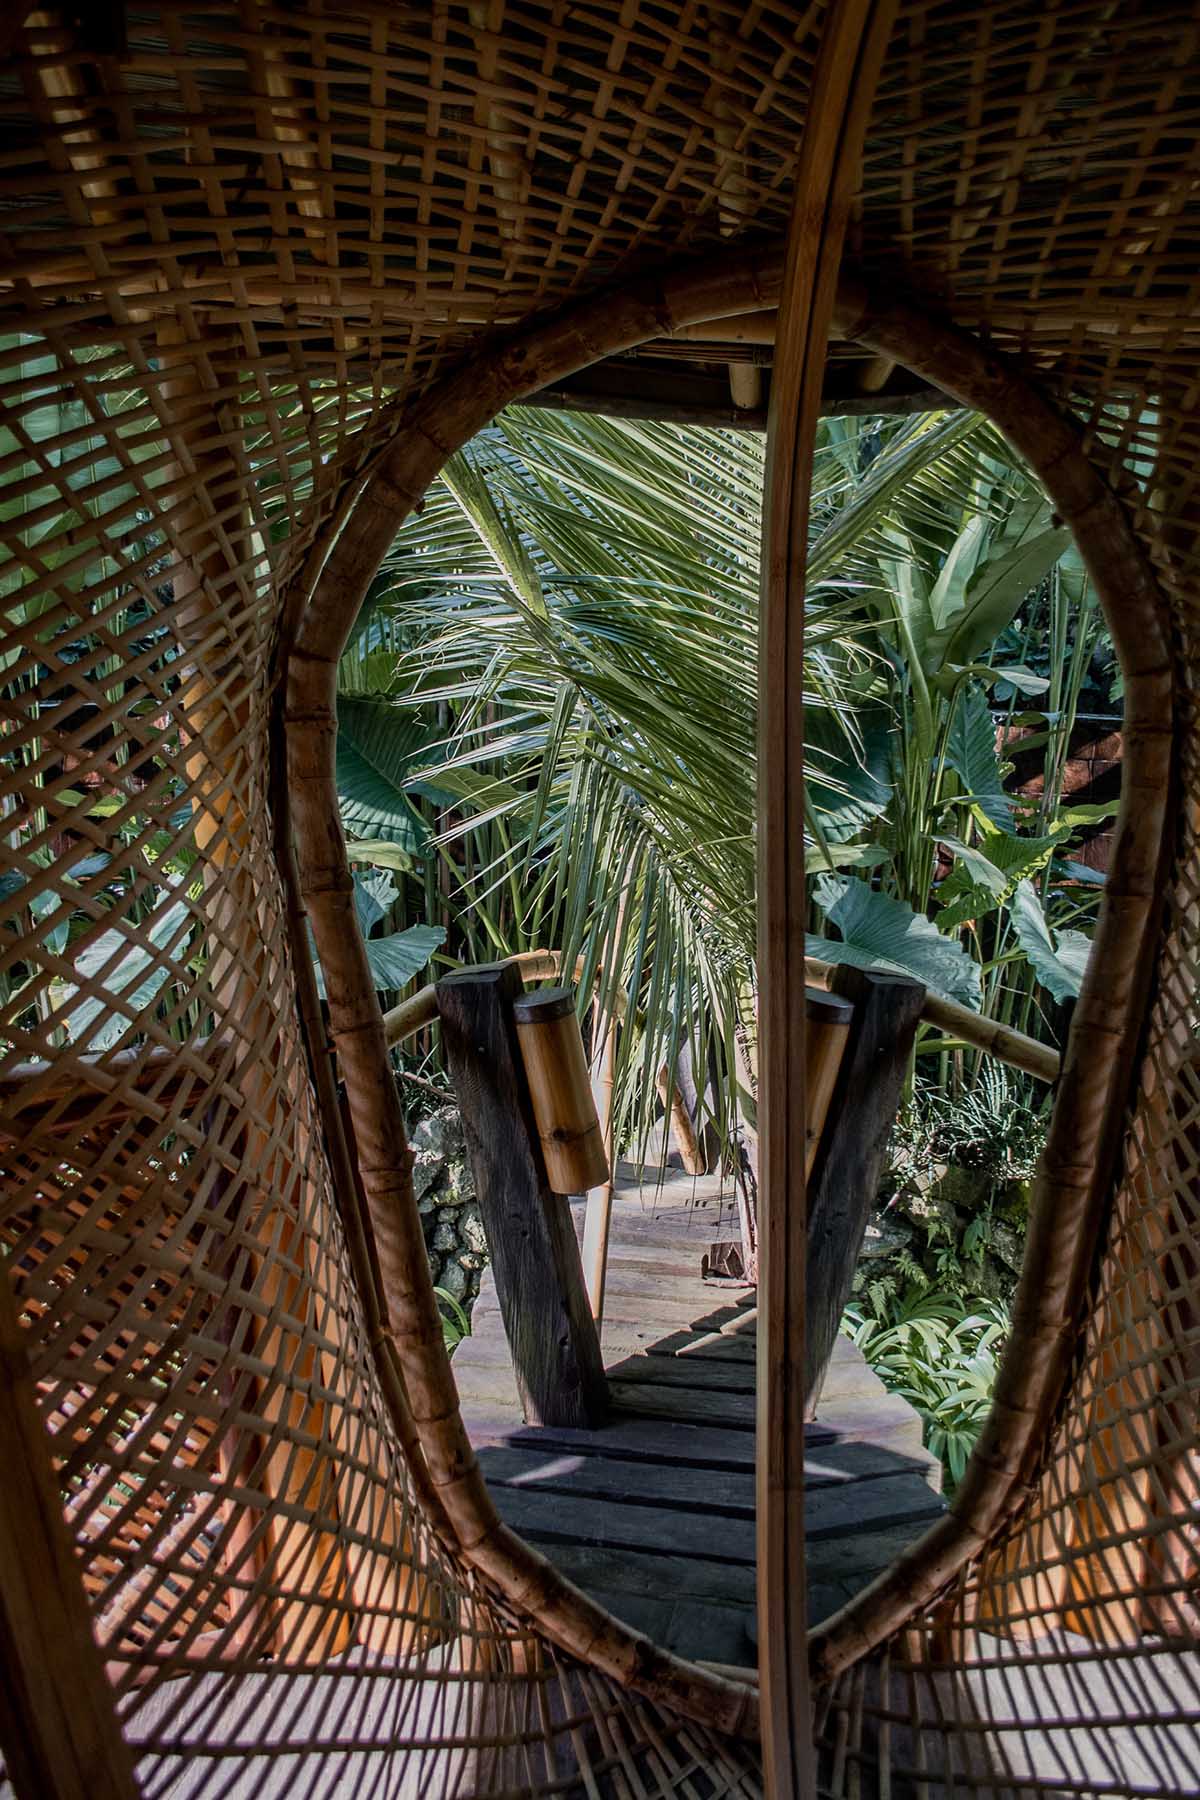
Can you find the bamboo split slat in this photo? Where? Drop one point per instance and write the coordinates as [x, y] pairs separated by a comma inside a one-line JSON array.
[[261, 271]]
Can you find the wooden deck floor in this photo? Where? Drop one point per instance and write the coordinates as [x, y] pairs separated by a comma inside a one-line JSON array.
[[654, 1513]]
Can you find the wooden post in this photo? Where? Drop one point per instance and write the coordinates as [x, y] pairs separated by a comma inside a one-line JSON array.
[[535, 1254], [848, 1160]]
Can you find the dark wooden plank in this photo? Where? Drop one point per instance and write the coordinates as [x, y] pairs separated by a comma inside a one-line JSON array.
[[831, 1510], [849, 1161], [531, 1236], [695, 1446], [550, 1519], [654, 1400], [709, 1311], [603, 1568], [550, 1471], [683, 1371], [701, 1629], [702, 1346], [829, 1460]]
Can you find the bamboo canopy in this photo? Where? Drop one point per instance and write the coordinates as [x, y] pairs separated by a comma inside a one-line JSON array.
[[262, 269]]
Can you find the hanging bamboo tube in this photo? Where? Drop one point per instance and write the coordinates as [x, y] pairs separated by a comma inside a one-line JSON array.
[[826, 1035], [564, 1110]]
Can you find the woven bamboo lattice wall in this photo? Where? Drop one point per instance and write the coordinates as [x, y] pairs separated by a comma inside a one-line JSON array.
[[243, 247]]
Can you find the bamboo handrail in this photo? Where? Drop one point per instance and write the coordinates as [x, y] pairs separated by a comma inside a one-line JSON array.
[[1003, 1042]]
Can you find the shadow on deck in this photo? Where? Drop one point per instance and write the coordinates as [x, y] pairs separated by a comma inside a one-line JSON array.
[[653, 1513]]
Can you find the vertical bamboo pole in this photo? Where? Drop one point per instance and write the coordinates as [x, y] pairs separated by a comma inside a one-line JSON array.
[[855, 35]]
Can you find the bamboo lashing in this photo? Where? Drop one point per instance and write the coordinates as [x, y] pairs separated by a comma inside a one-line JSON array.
[[1003, 1042], [1007, 1045]]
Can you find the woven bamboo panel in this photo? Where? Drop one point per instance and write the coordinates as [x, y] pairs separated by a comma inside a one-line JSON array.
[[1049, 197], [235, 241]]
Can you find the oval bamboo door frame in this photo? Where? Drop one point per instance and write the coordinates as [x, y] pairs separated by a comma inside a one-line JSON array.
[[1070, 1208]]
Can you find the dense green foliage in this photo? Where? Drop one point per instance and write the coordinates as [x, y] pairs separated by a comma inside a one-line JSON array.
[[548, 723]]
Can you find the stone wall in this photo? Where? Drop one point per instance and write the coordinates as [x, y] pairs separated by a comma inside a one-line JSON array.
[[454, 1235]]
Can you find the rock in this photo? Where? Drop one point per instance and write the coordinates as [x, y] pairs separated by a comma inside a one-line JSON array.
[[470, 1230], [450, 1218], [428, 1168], [441, 1132], [454, 1281], [1007, 1244], [886, 1235]]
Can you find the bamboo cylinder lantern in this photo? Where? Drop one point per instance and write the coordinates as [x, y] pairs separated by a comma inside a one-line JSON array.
[[564, 1108], [826, 1034]]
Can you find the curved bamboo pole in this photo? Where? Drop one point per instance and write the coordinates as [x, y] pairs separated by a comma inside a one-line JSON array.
[[440, 422], [854, 37], [1076, 1178]]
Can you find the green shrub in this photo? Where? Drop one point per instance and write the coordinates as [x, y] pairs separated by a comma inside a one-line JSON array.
[[942, 1362]]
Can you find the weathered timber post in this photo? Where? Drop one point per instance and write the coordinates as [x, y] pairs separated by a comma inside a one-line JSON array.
[[535, 1254], [849, 1158]]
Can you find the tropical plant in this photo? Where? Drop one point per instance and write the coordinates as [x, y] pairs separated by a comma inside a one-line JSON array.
[[456, 1325], [944, 1365], [549, 702], [552, 690]]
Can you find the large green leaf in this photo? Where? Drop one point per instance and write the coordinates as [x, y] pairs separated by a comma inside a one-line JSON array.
[[985, 874], [992, 598], [878, 932], [397, 956], [971, 753], [377, 747], [848, 778], [400, 955], [1059, 966]]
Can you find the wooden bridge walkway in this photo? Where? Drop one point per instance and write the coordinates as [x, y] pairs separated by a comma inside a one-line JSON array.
[[654, 1512]]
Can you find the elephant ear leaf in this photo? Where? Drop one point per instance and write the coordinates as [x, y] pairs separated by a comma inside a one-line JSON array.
[[1059, 966], [397, 956], [985, 874], [377, 747], [878, 932]]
